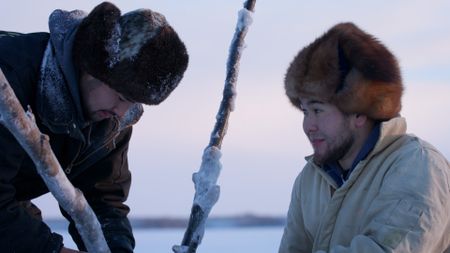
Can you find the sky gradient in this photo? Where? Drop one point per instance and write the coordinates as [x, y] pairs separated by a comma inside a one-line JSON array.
[[265, 147]]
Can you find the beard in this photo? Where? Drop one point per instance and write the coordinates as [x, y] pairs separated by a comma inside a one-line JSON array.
[[337, 149]]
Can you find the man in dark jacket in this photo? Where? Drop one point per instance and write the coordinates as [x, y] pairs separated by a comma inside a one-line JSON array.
[[85, 82]]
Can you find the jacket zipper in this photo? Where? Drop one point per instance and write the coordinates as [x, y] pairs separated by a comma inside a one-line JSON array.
[[111, 138]]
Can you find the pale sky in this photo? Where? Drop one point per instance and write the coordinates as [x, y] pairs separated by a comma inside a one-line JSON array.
[[265, 147]]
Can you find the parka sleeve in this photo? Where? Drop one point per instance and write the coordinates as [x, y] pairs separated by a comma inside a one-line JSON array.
[[107, 195], [295, 239], [20, 232]]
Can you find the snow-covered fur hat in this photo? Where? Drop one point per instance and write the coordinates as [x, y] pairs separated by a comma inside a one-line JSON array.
[[137, 54], [350, 69]]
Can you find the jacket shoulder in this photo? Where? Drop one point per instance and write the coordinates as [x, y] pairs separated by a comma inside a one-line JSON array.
[[20, 60], [415, 163], [17, 49], [409, 144]]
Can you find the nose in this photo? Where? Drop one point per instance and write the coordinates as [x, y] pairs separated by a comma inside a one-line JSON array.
[[121, 108], [309, 124]]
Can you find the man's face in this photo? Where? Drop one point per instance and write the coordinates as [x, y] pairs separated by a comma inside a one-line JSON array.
[[100, 101], [328, 130]]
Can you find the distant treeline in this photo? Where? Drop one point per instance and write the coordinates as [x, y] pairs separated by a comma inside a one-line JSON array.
[[247, 220]]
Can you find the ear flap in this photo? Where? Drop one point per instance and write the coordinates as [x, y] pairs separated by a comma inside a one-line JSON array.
[[373, 84], [366, 54]]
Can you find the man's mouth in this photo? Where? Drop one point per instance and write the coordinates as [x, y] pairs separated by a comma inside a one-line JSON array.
[[105, 114], [316, 142]]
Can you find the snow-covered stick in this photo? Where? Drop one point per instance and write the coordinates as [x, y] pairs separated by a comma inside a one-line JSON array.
[[23, 126], [206, 190], [229, 92]]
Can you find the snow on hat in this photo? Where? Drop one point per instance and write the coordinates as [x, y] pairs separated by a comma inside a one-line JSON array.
[[137, 54], [349, 68]]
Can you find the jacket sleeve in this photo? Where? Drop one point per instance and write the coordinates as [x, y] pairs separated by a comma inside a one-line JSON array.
[[411, 211], [107, 195], [19, 231], [295, 238]]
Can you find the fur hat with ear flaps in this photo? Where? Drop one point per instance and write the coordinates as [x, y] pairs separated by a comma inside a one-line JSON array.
[[137, 54], [350, 69]]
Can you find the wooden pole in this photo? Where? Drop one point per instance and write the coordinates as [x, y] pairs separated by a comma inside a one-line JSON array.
[[206, 191]]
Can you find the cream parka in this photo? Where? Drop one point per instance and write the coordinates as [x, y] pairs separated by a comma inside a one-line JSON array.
[[396, 200]]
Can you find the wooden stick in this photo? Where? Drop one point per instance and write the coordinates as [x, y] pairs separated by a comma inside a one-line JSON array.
[[206, 190]]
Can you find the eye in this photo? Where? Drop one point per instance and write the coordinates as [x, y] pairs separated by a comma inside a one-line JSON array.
[[122, 98], [317, 111], [304, 111]]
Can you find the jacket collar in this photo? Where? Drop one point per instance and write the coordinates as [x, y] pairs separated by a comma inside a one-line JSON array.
[[389, 132], [339, 174]]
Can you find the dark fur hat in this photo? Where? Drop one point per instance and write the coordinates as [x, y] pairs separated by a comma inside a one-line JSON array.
[[349, 68], [137, 54]]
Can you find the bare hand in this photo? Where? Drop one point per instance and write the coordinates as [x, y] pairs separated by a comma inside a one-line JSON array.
[[66, 250]]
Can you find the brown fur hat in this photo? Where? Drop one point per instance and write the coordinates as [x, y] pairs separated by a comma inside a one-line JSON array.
[[137, 54], [349, 68]]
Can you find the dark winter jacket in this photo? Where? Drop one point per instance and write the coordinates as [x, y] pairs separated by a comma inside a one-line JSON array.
[[93, 155]]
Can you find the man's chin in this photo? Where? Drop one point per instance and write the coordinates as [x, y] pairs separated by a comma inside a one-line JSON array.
[[319, 160], [97, 118], [101, 115]]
